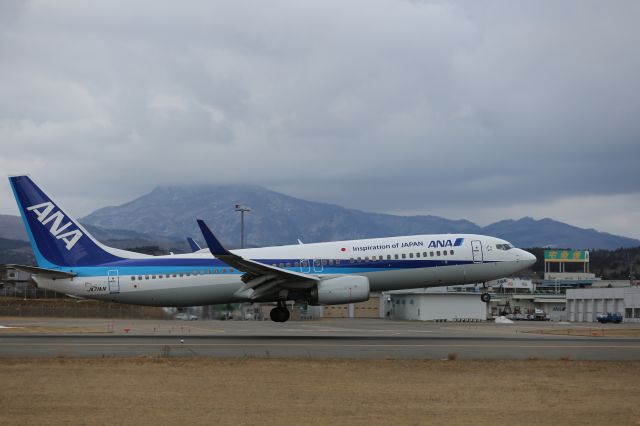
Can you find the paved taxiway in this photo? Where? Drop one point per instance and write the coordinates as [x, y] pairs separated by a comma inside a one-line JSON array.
[[312, 339]]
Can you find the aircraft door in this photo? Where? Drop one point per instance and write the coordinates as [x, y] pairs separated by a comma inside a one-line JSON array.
[[113, 280], [305, 266], [317, 265], [476, 250]]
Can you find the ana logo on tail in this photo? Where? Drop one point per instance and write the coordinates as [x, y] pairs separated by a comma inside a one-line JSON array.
[[45, 214]]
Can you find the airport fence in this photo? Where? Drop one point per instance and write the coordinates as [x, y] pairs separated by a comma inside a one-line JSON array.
[[29, 292], [64, 307]]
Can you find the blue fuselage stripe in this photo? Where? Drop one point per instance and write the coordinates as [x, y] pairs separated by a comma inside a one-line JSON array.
[[215, 266]]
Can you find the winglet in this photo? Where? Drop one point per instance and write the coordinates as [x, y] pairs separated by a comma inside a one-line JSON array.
[[215, 247], [194, 246]]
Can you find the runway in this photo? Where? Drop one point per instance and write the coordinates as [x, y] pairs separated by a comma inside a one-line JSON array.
[[374, 339]]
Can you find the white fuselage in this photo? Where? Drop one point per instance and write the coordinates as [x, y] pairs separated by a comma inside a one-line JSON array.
[[389, 264]]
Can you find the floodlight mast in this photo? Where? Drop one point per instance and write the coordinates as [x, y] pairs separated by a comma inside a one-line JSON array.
[[242, 209]]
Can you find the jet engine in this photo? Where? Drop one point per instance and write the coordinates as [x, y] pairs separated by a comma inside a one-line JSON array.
[[335, 291]]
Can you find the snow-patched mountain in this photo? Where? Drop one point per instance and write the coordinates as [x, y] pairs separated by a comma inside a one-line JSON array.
[[171, 212]]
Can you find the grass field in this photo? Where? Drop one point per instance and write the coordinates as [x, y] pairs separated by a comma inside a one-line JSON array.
[[158, 391], [591, 332]]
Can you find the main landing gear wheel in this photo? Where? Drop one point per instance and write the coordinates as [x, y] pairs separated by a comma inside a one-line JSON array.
[[485, 297], [280, 313]]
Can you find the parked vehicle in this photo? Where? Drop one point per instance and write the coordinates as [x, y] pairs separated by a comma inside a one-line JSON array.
[[539, 315], [615, 318], [185, 317]]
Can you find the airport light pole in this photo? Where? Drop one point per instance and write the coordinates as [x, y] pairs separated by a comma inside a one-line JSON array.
[[242, 209]]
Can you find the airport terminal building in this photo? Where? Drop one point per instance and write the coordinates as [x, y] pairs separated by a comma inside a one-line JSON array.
[[584, 305]]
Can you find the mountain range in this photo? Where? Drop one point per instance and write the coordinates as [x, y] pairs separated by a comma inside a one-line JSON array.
[[167, 215]]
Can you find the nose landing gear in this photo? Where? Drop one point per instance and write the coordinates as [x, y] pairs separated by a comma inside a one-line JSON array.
[[280, 313]]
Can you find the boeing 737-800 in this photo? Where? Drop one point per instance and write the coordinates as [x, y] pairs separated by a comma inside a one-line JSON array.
[[72, 261]]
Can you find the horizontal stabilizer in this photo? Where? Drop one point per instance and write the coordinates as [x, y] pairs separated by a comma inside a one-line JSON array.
[[43, 272]]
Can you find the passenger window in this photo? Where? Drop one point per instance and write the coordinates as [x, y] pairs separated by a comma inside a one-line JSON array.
[[324, 262], [438, 253], [133, 278], [337, 261], [146, 277], [352, 260], [388, 257], [410, 255], [431, 254], [139, 277], [174, 275], [396, 256], [282, 265], [288, 264], [297, 264], [330, 262], [404, 256], [444, 253], [359, 259], [451, 252], [153, 277], [418, 254]]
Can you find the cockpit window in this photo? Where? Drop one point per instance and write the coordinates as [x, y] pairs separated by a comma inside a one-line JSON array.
[[504, 247]]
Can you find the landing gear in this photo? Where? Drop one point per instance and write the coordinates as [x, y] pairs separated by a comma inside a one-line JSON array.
[[280, 313], [485, 296]]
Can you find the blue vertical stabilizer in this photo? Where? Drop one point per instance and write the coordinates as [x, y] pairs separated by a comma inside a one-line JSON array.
[[57, 239]]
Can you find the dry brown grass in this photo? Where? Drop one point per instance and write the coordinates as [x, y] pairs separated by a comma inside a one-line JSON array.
[[590, 332], [39, 329], [262, 391]]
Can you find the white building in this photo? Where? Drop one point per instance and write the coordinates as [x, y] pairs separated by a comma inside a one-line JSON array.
[[431, 304], [584, 305]]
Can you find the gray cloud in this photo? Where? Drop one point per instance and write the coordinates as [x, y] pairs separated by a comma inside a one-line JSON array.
[[457, 108]]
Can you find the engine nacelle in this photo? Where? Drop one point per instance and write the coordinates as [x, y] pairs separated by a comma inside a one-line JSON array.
[[336, 291]]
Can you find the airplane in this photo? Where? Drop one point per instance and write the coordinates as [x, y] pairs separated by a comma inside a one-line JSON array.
[[71, 261]]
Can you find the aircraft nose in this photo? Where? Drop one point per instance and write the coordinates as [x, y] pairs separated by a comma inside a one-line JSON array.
[[527, 258]]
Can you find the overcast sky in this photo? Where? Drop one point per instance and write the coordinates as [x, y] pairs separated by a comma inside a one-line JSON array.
[[483, 110]]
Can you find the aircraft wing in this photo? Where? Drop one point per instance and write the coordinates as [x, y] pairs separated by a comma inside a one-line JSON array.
[[260, 279]]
